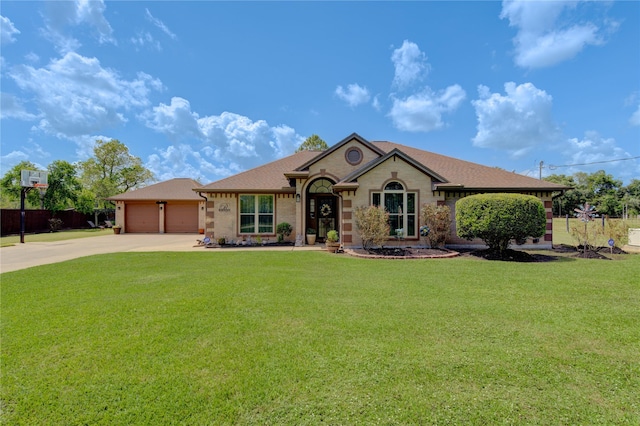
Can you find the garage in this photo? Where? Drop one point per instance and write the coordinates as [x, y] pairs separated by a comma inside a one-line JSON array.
[[142, 218], [181, 217], [165, 207]]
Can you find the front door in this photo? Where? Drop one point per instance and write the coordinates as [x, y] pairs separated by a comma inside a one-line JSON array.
[[322, 214]]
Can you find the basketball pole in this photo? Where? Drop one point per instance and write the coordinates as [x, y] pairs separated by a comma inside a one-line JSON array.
[[23, 193]]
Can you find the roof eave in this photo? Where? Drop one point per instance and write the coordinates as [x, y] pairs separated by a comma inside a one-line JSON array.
[[282, 190], [449, 187], [346, 186]]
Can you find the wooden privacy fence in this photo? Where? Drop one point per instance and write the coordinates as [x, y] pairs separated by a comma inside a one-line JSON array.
[[38, 220]]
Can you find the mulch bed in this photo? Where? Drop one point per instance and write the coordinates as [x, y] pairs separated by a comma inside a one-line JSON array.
[[507, 256], [402, 253]]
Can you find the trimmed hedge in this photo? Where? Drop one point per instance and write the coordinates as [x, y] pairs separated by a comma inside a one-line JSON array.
[[500, 218]]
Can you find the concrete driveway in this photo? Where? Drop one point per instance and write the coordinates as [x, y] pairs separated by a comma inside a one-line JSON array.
[[26, 255]]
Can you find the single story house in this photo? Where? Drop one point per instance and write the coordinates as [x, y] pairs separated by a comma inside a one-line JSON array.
[[166, 207], [321, 189]]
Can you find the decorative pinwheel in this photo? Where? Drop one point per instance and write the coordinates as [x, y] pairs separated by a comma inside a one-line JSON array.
[[586, 213]]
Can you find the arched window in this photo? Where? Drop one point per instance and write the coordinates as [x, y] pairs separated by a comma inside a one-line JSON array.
[[321, 186], [401, 206]]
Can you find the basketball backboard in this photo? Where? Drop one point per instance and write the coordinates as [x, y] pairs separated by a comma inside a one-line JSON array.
[[33, 178]]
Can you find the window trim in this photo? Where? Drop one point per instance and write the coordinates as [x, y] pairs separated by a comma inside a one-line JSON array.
[[257, 214], [351, 149], [405, 215]]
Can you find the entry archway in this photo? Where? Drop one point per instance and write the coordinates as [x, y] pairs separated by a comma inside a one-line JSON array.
[[322, 208]]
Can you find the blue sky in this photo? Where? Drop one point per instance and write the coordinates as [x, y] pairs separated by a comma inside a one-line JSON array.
[[207, 89]]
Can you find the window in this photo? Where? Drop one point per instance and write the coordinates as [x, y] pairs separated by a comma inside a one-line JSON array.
[[256, 214], [400, 205], [321, 186]]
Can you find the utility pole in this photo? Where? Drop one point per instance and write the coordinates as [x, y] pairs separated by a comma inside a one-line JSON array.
[[540, 173]]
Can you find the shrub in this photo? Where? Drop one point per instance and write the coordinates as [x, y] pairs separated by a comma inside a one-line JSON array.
[[332, 236], [372, 223], [438, 222], [283, 230], [499, 218], [55, 224]]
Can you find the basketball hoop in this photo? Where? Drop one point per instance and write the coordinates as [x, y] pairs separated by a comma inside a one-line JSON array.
[[42, 187]]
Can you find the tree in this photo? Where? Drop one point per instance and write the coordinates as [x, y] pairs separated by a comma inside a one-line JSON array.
[[113, 170], [571, 199], [313, 143], [631, 198], [606, 193], [64, 186], [499, 218], [11, 188]]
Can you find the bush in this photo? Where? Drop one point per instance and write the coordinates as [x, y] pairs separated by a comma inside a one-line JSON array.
[[283, 230], [55, 224], [499, 218], [438, 221], [372, 223]]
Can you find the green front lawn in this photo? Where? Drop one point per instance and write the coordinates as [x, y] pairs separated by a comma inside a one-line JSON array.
[[54, 236], [308, 338]]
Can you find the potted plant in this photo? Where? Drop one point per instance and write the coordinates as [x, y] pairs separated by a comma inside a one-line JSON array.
[[116, 229], [311, 236], [332, 241], [283, 230]]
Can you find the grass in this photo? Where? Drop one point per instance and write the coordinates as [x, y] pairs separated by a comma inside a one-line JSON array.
[[309, 338], [562, 236], [53, 236]]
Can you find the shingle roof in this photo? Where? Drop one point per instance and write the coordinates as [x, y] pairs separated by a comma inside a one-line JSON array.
[[470, 175], [178, 189], [268, 177], [458, 174]]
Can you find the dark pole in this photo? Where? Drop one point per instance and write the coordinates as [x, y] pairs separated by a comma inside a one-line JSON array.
[[23, 193]]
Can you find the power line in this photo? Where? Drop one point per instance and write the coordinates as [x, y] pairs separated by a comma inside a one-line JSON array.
[[552, 167]]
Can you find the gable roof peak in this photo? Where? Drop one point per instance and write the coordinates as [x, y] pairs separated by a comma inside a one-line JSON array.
[[335, 147]]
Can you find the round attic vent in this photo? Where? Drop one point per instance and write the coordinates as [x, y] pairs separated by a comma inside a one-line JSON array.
[[353, 156]]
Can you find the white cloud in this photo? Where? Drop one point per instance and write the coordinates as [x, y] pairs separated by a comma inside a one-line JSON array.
[[354, 95], [11, 107], [9, 160], [7, 31], [545, 37], [142, 39], [515, 122], [175, 120], [231, 141], [410, 64], [376, 103], [423, 111], [158, 23], [77, 96], [62, 14], [182, 161], [593, 148]]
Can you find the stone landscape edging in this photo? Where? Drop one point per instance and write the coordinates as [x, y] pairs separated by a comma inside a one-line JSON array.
[[426, 256]]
